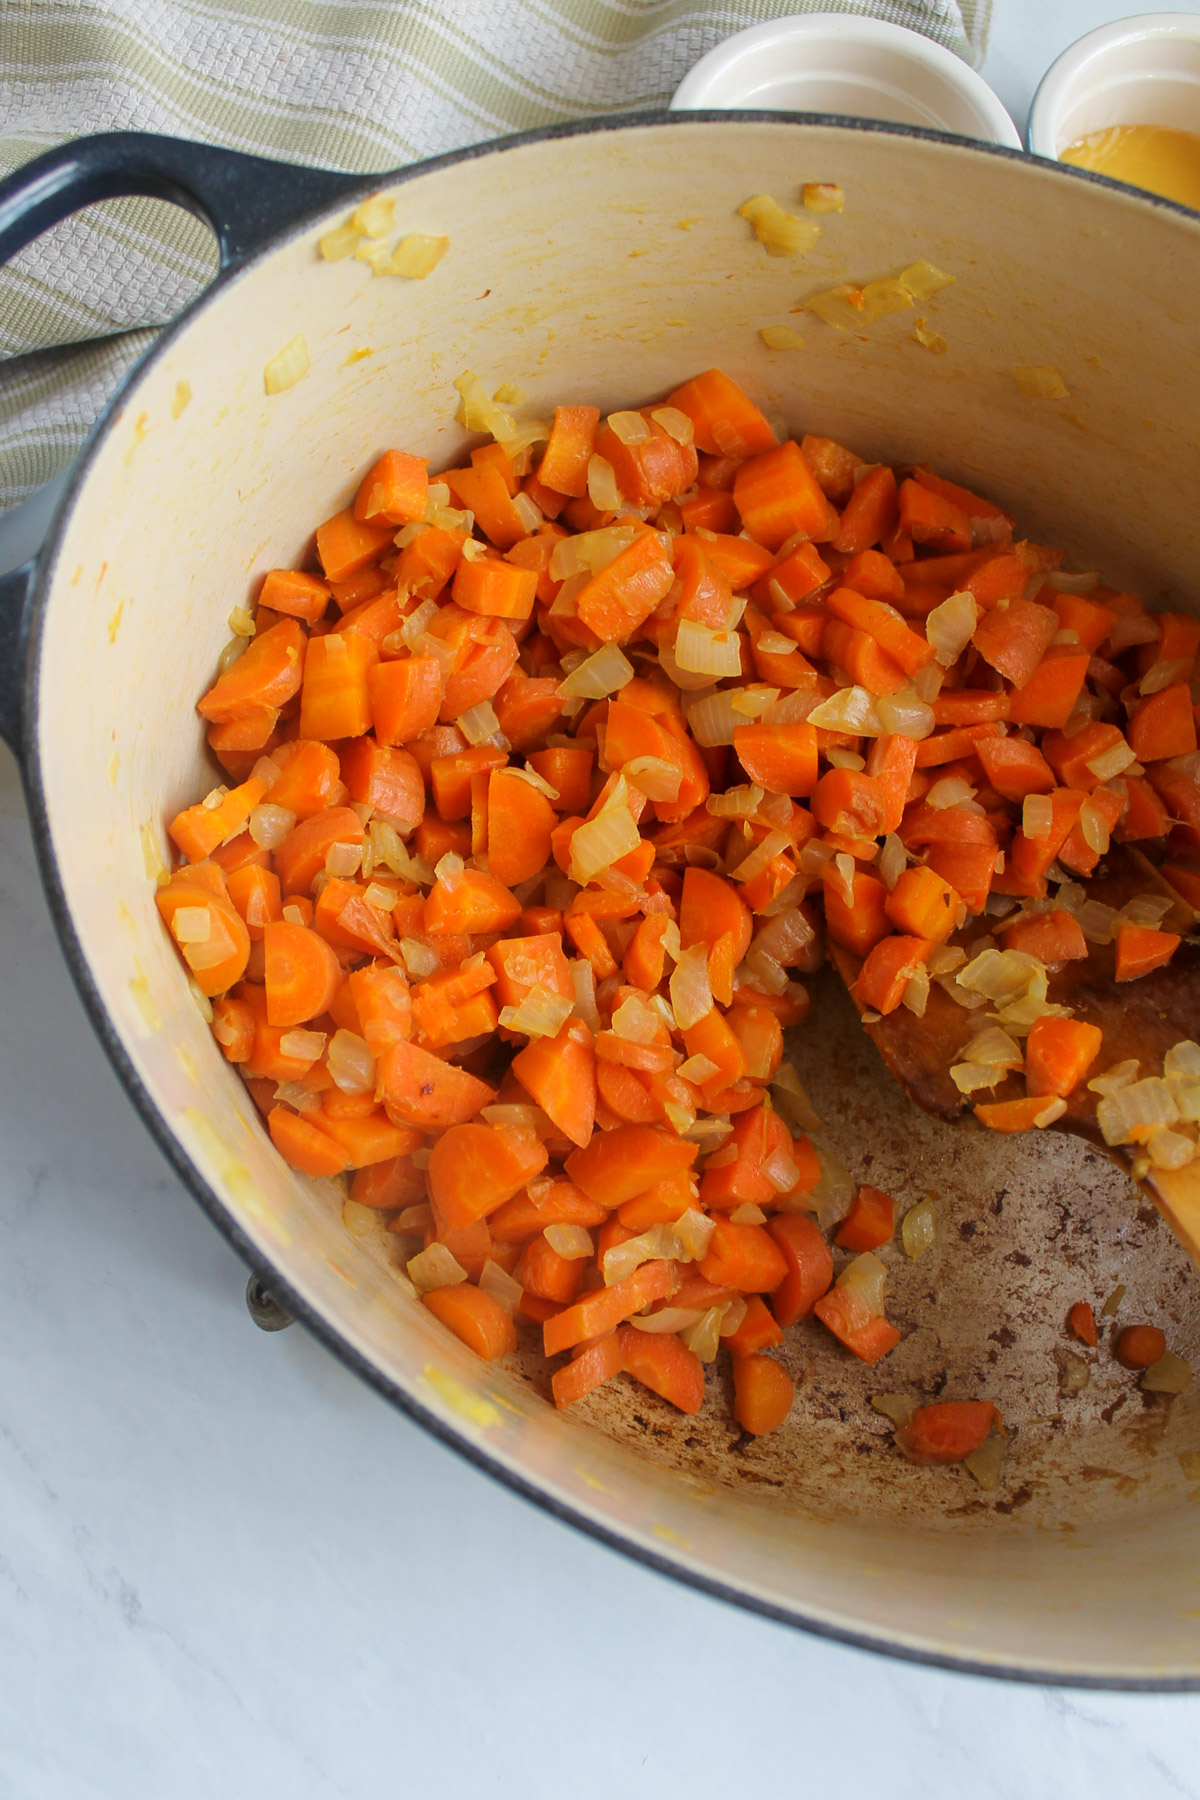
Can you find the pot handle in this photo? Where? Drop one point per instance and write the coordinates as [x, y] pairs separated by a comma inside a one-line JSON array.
[[16, 595], [247, 200]]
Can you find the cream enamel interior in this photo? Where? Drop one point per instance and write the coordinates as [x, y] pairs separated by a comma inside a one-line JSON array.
[[607, 267]]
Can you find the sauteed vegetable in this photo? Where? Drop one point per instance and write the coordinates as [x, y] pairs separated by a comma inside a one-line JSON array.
[[545, 787]]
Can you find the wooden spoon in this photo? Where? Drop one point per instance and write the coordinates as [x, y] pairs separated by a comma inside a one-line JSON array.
[[1141, 1019]]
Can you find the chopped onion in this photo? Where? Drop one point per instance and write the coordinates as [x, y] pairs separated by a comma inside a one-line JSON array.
[[970, 1078], [505, 1290], [992, 1045], [791, 1101], [1120, 1075], [230, 654], [1147, 909], [781, 337], [1037, 816], [691, 995], [288, 367], [1074, 1373], [984, 1464], [905, 714], [602, 488], [693, 1229], [668, 1318], [780, 233], [834, 1193], [1097, 922], [676, 424], [699, 1070], [1041, 382], [761, 856], [602, 841], [899, 1408], [539, 1014], [1111, 762], [951, 626], [852, 710], [1158, 676], [713, 720], [571, 1242], [703, 1339], [417, 623], [866, 1279], [636, 1021], [823, 197], [1093, 827], [360, 1221], [1133, 628], [916, 991], [893, 860], [717, 654], [793, 708], [479, 724], [918, 1228], [1169, 1149], [351, 1064], [630, 427], [1169, 1375], [583, 979], [342, 860], [419, 959], [652, 776], [838, 758], [924, 279], [950, 791], [944, 959], [240, 623], [191, 925], [305, 1046], [434, 1268], [292, 1094], [382, 898], [1129, 1115], [339, 242], [736, 803], [605, 672], [1182, 1059], [450, 870]]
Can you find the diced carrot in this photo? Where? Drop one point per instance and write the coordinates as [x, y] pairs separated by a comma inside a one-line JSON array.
[[547, 1275], [617, 601], [1140, 1346], [651, 470], [562, 1203], [1082, 1321], [569, 772], [606, 1307], [1048, 697], [933, 519], [495, 588], [570, 447], [617, 1165], [1053, 937], [302, 973], [1031, 857], [724, 420], [743, 1257], [591, 1366], [345, 545], [809, 1266], [1058, 1054], [1012, 1115], [475, 902], [850, 803], [233, 1028], [520, 820], [267, 673], [309, 773], [888, 970], [1163, 725], [475, 1167], [781, 758], [885, 625], [421, 1089], [1140, 950], [199, 830], [1013, 767], [404, 698], [763, 1392], [560, 1075], [777, 495], [373, 1139], [759, 1329], [924, 906], [395, 491], [305, 1146], [871, 512], [946, 1431], [857, 925], [870, 1222], [301, 856], [295, 594], [472, 1315], [334, 699], [661, 1362], [865, 1336]]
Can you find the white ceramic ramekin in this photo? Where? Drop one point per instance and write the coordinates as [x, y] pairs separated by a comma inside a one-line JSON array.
[[860, 68], [1140, 71]]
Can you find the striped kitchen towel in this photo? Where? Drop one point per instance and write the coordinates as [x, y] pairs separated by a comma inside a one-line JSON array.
[[361, 85]]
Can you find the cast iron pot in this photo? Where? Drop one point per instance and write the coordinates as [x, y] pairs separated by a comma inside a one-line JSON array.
[[606, 262]]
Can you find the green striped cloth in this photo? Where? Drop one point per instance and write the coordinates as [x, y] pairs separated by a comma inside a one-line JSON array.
[[362, 85]]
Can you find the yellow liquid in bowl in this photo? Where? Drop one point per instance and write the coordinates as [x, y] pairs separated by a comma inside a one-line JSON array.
[[1163, 161]]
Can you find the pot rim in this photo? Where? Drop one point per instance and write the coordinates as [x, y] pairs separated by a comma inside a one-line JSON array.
[[209, 1199]]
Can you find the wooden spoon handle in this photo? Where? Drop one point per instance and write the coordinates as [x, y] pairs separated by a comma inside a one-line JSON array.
[[1176, 1193]]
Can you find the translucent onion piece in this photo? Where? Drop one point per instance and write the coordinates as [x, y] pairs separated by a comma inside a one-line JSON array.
[[1097, 922], [1133, 1112], [601, 841], [713, 721], [791, 1102], [984, 1464], [786, 939], [943, 959], [569, 1241], [342, 860], [1037, 816], [918, 1228], [928, 684], [824, 197], [339, 242], [305, 1046], [350, 1063], [621, 1261], [1074, 1373], [479, 723], [1182, 1059], [1169, 1149], [834, 1193], [839, 758], [992, 1045], [893, 860], [691, 995], [1000, 974], [1147, 909], [754, 702], [230, 654], [288, 367], [866, 1278], [602, 488], [382, 898], [699, 1070], [1041, 381], [932, 340], [1093, 827], [703, 1339], [191, 925], [418, 622], [899, 1408], [636, 1021], [434, 1268], [733, 1314], [1169, 1375], [924, 279], [539, 1014], [794, 707], [583, 979], [241, 623], [669, 1318], [970, 1078], [503, 1287], [1121, 1075], [676, 424], [292, 1094], [780, 233], [693, 1229], [605, 672], [781, 337], [736, 803], [1111, 762], [373, 216], [657, 779], [717, 654], [781, 1171], [630, 427], [852, 710], [951, 790], [761, 856], [1165, 674], [420, 959], [916, 991], [905, 714], [950, 627], [360, 1221]]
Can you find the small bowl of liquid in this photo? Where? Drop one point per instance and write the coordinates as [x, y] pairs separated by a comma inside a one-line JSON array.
[[1124, 101]]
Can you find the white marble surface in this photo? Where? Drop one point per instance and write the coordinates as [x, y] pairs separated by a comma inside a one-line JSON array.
[[223, 1560]]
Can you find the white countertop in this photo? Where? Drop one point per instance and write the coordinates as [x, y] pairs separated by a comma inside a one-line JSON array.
[[223, 1559]]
